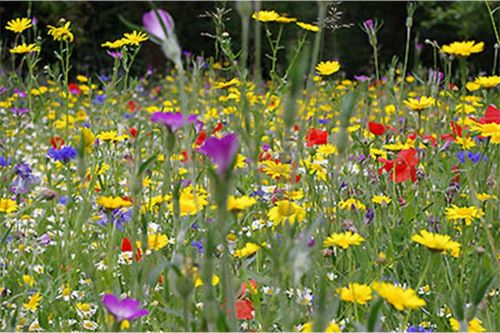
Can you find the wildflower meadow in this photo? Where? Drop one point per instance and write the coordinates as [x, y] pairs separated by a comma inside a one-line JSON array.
[[245, 192]]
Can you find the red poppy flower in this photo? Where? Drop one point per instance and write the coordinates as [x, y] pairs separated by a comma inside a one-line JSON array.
[[132, 107], [56, 142], [376, 128], [74, 89], [218, 128], [244, 309], [316, 137], [127, 247], [133, 132], [201, 138], [403, 168], [492, 115]]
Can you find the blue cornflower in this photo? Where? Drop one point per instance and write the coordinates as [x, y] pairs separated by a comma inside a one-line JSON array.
[[198, 245], [4, 162], [419, 329], [24, 179], [64, 154], [473, 157], [119, 217]]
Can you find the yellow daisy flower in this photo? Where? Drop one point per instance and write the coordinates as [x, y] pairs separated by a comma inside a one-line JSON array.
[[308, 27], [18, 25], [464, 213], [286, 211], [463, 49], [25, 48], [437, 242], [398, 297], [327, 67], [355, 293], [135, 38], [265, 16], [343, 239]]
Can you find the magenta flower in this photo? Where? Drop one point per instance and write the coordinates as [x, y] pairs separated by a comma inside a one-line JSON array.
[[123, 309], [368, 24], [221, 151], [154, 27], [171, 120]]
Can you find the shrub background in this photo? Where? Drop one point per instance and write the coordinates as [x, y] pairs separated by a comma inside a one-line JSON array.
[[96, 22]]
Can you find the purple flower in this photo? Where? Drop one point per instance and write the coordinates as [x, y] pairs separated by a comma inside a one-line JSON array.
[[4, 162], [24, 179], [123, 309], [474, 158], [19, 111], [198, 245], [370, 214], [115, 54], [221, 151], [419, 329], [20, 93], [155, 27], [44, 239], [171, 120], [361, 78], [64, 154], [368, 24], [119, 217]]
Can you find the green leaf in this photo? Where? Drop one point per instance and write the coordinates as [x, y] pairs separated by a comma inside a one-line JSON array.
[[373, 323]]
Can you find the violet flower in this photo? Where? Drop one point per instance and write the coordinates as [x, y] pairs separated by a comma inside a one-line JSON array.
[[160, 26], [173, 121], [368, 24], [221, 151], [19, 111], [154, 26], [123, 309]]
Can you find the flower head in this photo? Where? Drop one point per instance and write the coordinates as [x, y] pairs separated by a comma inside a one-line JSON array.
[[62, 33], [249, 249], [235, 204], [286, 211], [135, 38], [355, 293], [463, 213], [437, 242], [475, 325], [221, 151], [112, 202], [421, 103], [157, 27], [7, 206], [123, 309], [308, 27], [25, 48], [463, 49], [266, 16], [327, 67], [343, 239], [18, 25], [64, 154], [33, 302], [403, 168], [173, 121], [398, 297]]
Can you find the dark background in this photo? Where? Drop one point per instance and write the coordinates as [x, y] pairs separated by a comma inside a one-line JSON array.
[[96, 22]]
